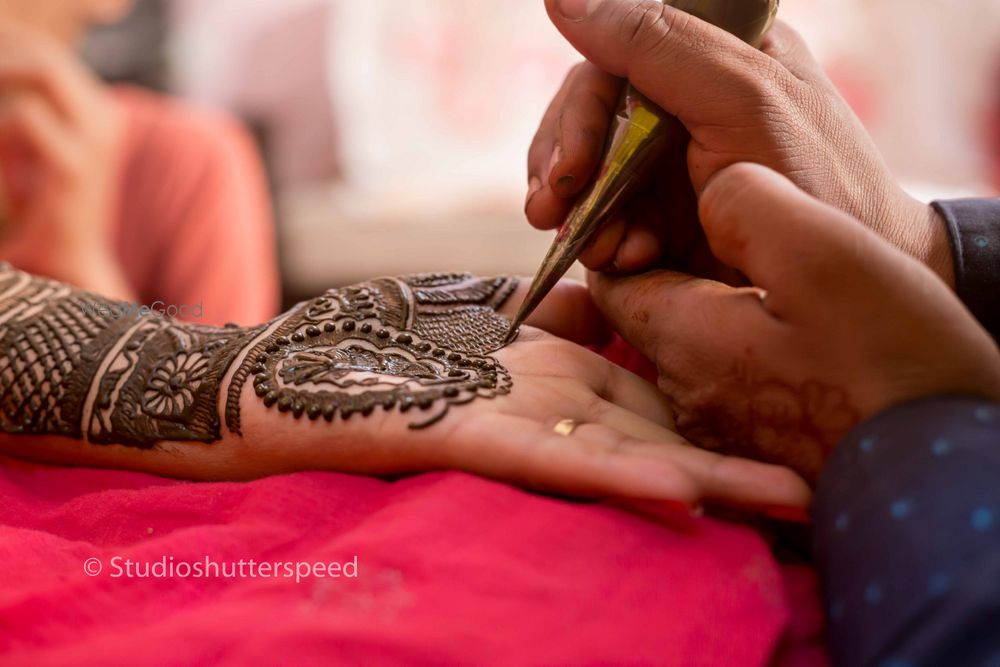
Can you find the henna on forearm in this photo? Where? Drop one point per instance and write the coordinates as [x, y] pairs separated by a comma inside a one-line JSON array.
[[77, 365]]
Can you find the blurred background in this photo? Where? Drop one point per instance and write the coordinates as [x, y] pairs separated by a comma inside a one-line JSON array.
[[395, 133]]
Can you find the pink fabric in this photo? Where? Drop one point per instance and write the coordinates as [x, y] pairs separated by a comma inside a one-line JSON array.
[[194, 224], [452, 569]]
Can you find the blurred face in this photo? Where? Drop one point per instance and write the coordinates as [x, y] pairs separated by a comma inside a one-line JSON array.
[[64, 19]]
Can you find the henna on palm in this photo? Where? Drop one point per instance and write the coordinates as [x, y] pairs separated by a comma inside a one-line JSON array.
[[77, 365], [396, 343]]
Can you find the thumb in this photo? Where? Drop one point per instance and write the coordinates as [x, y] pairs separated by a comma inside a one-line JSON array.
[[674, 58], [798, 249]]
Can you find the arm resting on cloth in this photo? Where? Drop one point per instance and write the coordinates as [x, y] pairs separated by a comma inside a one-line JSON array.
[[388, 376]]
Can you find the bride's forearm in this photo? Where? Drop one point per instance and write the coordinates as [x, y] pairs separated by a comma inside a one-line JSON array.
[[85, 380]]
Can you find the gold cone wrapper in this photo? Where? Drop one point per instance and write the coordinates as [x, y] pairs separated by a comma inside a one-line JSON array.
[[637, 136]]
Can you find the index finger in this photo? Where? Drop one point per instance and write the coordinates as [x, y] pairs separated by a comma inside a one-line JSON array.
[[567, 147]]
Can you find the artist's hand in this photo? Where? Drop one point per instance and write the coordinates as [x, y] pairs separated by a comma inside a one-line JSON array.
[[736, 104], [60, 142], [838, 326]]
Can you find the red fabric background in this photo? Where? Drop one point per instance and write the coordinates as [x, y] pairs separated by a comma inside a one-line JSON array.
[[452, 569]]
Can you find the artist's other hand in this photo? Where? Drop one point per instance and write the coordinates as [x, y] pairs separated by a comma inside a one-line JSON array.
[[60, 142], [837, 326], [736, 104]]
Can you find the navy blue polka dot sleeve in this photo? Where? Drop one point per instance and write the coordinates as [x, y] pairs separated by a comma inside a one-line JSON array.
[[907, 537], [974, 227]]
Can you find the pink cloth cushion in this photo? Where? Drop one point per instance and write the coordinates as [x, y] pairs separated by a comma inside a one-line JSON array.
[[452, 569]]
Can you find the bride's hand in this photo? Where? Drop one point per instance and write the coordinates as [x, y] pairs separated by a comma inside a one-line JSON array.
[[391, 376], [572, 423]]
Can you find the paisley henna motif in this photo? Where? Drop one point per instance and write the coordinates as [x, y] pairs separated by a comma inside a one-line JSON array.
[[417, 341], [353, 367]]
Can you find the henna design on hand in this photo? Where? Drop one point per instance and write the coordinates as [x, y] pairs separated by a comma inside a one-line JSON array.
[[162, 383], [52, 344], [77, 365], [392, 342], [794, 424]]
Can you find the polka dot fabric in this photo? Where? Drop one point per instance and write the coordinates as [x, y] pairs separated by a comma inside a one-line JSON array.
[[907, 536]]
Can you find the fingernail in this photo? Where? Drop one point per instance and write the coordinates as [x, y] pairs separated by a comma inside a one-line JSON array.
[[576, 10], [565, 185], [555, 159], [620, 255], [534, 185]]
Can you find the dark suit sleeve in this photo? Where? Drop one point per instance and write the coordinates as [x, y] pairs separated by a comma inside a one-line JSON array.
[[974, 228], [906, 535]]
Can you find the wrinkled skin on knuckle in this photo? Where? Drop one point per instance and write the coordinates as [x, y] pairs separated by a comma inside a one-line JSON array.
[[645, 26], [772, 119], [831, 157], [752, 80]]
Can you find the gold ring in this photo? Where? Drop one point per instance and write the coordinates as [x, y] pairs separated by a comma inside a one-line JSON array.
[[566, 427]]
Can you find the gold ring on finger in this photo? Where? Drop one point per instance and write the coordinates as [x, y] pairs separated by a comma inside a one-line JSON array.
[[566, 427]]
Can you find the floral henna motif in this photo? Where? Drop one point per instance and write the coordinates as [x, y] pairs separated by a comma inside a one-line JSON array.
[[170, 390], [78, 365], [782, 422]]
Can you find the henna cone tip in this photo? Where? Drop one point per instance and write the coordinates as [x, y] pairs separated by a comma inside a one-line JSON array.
[[515, 328]]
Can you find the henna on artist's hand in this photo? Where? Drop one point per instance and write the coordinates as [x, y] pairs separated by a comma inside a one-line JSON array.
[[75, 364], [795, 423]]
